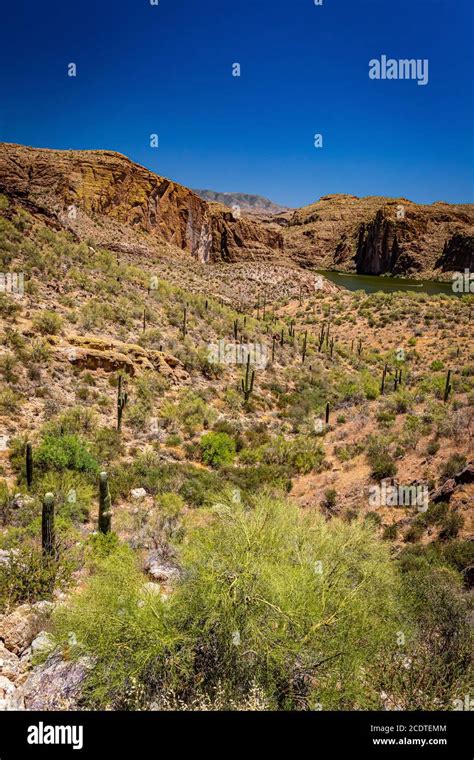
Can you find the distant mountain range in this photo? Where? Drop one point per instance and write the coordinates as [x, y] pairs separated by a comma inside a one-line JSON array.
[[248, 204], [104, 197]]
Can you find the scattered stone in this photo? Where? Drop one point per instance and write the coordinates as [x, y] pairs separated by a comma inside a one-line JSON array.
[[19, 628], [43, 643], [466, 475], [7, 689], [161, 570], [9, 664], [138, 494], [21, 500], [54, 685], [445, 491]]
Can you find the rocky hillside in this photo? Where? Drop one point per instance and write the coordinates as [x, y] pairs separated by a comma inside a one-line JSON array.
[[378, 235], [248, 204], [105, 198]]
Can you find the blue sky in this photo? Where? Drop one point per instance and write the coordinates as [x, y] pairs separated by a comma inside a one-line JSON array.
[[167, 69]]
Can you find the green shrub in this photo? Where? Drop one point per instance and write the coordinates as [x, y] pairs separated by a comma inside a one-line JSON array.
[[451, 525], [66, 452], [47, 322], [270, 599], [217, 449], [27, 577], [390, 532], [380, 460], [282, 599], [438, 650], [122, 625]]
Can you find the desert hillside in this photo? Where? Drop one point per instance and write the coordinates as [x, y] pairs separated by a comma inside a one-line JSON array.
[[379, 236], [195, 454], [106, 198]]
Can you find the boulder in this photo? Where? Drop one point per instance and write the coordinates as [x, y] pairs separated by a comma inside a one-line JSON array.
[[42, 643], [445, 491], [466, 475], [54, 685], [9, 664], [19, 628], [160, 569], [138, 494], [7, 690]]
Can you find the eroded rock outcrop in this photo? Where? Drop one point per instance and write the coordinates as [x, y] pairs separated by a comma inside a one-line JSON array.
[[105, 197], [378, 235], [92, 353]]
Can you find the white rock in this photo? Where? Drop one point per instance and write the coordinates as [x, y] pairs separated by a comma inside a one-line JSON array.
[[138, 493], [43, 643]]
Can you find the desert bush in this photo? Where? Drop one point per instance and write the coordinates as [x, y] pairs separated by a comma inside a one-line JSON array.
[[451, 525], [65, 452], [47, 322], [270, 599], [432, 668], [217, 449], [73, 493], [380, 459], [28, 577], [10, 401], [122, 625]]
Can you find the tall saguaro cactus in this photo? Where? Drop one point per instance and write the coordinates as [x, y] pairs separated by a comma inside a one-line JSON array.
[[105, 504], [247, 381], [122, 399], [305, 345], [48, 540], [327, 412], [184, 326], [29, 464], [448, 387]]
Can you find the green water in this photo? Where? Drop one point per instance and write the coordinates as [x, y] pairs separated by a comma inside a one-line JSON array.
[[371, 283]]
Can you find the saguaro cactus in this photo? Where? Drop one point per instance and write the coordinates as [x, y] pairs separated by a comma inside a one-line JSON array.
[[144, 320], [122, 399], [321, 338], [273, 348], [29, 464], [448, 387], [184, 326], [105, 504], [327, 413], [384, 375], [247, 381], [305, 343], [48, 540]]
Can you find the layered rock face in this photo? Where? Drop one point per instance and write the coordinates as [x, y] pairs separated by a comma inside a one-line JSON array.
[[379, 235], [104, 197]]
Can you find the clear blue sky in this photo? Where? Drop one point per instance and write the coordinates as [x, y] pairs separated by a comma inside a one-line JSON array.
[[167, 69]]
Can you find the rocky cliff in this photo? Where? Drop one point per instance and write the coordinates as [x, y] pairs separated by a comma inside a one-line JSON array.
[[378, 235], [105, 197]]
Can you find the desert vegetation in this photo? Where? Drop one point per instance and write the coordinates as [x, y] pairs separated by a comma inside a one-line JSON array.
[[201, 531]]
